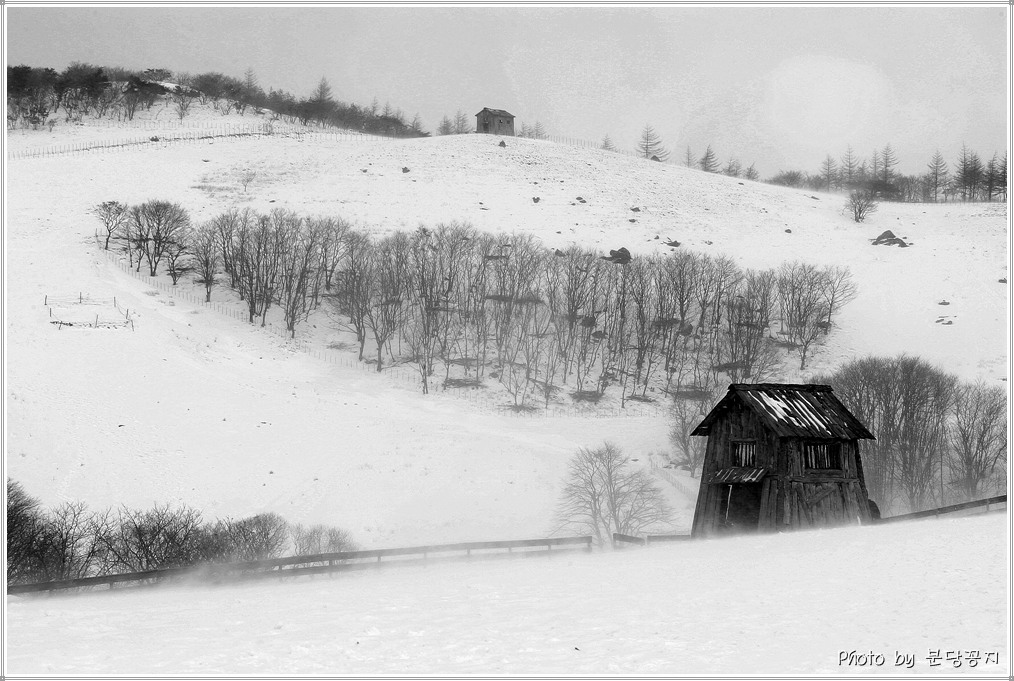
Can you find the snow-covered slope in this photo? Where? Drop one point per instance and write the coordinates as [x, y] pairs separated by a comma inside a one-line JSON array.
[[786, 604], [196, 407]]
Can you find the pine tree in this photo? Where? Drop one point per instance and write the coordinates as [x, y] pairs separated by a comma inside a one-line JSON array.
[[322, 93], [540, 132], [732, 168], [849, 168], [968, 174], [888, 160], [445, 127], [991, 178], [828, 171], [936, 178], [607, 144], [650, 145], [416, 125], [689, 158], [709, 161], [461, 125], [751, 173]]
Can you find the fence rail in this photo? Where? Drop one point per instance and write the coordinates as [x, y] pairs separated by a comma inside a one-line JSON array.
[[997, 503], [322, 563], [670, 477], [192, 136]]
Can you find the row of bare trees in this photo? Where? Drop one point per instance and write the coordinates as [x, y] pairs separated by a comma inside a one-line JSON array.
[[449, 299], [70, 541], [939, 440]]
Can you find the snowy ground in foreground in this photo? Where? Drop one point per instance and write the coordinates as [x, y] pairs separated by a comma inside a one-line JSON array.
[[774, 604]]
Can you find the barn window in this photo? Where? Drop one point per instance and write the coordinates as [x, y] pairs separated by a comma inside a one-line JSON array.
[[744, 453], [822, 455]]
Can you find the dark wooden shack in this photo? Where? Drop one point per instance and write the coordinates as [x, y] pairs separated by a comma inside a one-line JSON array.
[[780, 456], [494, 122]]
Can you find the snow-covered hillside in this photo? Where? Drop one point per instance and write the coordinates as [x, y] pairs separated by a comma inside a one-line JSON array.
[[787, 604], [196, 407]]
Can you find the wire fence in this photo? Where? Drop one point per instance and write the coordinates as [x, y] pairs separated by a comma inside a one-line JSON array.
[[670, 477], [205, 135], [86, 311]]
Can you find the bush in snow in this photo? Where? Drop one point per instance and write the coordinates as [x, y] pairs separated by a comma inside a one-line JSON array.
[[860, 204], [158, 538], [315, 539], [24, 529]]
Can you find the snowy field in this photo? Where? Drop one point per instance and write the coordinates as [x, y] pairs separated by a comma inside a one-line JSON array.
[[778, 604], [195, 407]]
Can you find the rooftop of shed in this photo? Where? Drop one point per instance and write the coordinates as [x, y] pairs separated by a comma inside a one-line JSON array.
[[792, 410], [495, 112]]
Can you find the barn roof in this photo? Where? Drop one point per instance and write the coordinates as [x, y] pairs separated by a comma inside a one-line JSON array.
[[738, 474], [495, 112], [792, 410]]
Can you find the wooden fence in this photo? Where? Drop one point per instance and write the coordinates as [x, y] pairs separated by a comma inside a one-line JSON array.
[[323, 563], [998, 503], [990, 505]]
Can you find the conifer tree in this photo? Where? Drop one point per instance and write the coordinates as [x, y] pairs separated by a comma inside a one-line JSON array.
[[650, 145]]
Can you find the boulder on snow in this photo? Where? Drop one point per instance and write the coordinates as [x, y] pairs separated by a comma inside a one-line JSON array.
[[618, 257], [503, 144], [887, 238]]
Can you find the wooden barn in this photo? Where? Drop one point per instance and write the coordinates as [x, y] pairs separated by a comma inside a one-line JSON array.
[[780, 456], [494, 122]]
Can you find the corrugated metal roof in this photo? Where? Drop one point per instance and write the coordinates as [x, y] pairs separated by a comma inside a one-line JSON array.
[[736, 475], [793, 410], [495, 112]]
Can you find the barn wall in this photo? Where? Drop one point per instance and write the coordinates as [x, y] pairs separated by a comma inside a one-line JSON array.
[[738, 423], [791, 497]]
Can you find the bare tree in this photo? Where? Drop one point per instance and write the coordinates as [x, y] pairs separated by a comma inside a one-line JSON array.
[[206, 257], [25, 530], [72, 545], [353, 287], [182, 98], [977, 437], [687, 411], [258, 537], [839, 290], [385, 281], [148, 540], [113, 216], [861, 204], [178, 256], [317, 539], [603, 494], [155, 226], [297, 269], [801, 298]]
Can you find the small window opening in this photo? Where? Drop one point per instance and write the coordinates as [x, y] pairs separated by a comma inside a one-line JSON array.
[[744, 453], [822, 456]]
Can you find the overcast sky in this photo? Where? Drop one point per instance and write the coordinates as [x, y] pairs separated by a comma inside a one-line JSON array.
[[781, 87]]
